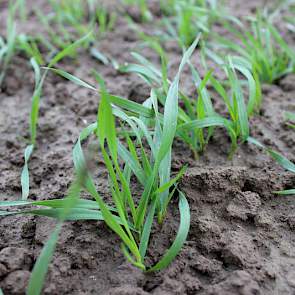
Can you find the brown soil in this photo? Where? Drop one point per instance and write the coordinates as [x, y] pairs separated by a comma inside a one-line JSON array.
[[241, 239]]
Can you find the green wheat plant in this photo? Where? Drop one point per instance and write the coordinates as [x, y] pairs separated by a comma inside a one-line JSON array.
[[153, 173], [189, 21], [34, 114], [8, 45], [262, 49], [71, 20], [282, 10], [197, 117], [168, 7], [192, 17], [145, 13], [199, 113], [30, 46]]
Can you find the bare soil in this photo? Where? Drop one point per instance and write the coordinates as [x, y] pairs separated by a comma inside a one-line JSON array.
[[241, 239]]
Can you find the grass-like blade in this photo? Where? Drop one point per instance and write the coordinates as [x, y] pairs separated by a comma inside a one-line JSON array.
[[131, 106], [41, 266], [286, 192], [126, 104], [144, 240], [208, 122], [180, 237], [69, 50], [131, 162], [282, 160], [240, 102], [173, 181], [147, 74], [74, 214], [99, 56], [71, 78], [35, 100], [25, 178], [171, 107], [57, 203]]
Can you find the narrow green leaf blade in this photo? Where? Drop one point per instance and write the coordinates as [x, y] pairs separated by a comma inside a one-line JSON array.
[[286, 192], [25, 178], [282, 160], [145, 236], [41, 265], [71, 78], [171, 107], [180, 237], [56, 203], [68, 50]]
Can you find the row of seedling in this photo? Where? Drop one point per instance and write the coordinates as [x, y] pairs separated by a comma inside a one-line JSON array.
[[255, 43]]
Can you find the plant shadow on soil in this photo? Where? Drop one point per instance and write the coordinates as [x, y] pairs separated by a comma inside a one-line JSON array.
[[241, 239]]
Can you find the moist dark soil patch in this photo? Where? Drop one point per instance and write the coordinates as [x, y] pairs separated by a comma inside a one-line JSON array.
[[241, 239]]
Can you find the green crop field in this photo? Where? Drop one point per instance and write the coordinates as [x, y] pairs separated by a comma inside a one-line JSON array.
[[160, 133]]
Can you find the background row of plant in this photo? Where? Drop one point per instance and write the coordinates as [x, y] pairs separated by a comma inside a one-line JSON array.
[[138, 149], [260, 46]]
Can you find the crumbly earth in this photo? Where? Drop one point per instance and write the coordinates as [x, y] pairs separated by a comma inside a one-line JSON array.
[[241, 239]]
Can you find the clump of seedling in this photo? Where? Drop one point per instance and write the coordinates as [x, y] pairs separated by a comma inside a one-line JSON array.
[[189, 18], [8, 44], [282, 10], [70, 20], [16, 42], [261, 49], [197, 114], [200, 114], [143, 8]]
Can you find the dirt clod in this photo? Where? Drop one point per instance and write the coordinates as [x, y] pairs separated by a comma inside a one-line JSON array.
[[16, 282], [239, 283]]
